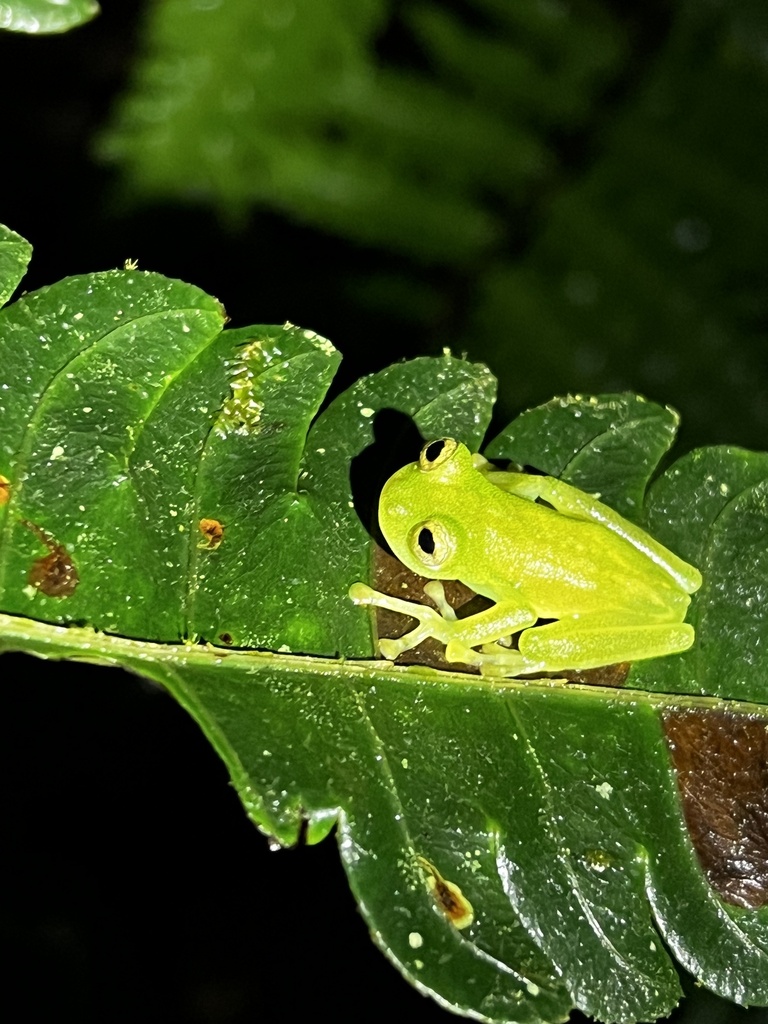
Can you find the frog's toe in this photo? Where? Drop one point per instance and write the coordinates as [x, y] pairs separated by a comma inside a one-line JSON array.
[[361, 593], [455, 650], [390, 649]]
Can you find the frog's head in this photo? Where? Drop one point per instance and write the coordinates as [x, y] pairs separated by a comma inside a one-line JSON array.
[[421, 506]]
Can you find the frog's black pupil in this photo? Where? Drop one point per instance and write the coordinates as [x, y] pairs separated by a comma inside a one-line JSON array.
[[427, 541], [434, 449]]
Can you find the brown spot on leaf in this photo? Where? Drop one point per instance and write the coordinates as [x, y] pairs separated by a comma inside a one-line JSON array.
[[608, 675], [226, 638], [5, 490], [54, 574], [448, 896], [722, 773], [213, 531]]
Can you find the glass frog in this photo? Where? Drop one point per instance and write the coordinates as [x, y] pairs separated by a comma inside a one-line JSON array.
[[539, 548]]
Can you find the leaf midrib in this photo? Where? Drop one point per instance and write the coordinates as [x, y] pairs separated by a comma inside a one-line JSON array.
[[19, 633]]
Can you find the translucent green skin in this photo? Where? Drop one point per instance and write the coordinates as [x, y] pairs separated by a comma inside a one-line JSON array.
[[616, 593]]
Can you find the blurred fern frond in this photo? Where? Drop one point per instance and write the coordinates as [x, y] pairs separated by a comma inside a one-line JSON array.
[[288, 104]]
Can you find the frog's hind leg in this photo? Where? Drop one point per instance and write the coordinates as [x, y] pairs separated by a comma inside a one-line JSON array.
[[589, 641]]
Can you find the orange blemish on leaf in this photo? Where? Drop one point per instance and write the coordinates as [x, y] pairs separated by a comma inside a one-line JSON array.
[[53, 574], [448, 896], [5, 490], [213, 531]]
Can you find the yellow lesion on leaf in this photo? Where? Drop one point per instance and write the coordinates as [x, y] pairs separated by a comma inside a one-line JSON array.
[[241, 411], [448, 896], [5, 490]]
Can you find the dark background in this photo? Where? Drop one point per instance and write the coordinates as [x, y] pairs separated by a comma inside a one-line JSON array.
[[134, 887]]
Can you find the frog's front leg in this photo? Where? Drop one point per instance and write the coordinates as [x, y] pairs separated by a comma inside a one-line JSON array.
[[458, 634], [430, 622]]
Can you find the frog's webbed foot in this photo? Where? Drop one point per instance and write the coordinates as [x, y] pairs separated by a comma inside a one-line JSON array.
[[431, 623], [495, 626], [493, 660]]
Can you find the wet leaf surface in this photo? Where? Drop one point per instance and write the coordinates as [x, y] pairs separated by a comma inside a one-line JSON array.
[[179, 500], [39, 17]]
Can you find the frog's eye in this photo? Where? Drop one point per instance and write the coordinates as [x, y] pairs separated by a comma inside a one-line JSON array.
[[432, 543], [436, 453]]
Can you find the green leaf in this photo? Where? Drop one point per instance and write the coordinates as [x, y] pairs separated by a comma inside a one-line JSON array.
[[41, 17], [296, 520], [561, 823], [607, 446], [86, 363], [711, 508], [15, 254], [517, 847]]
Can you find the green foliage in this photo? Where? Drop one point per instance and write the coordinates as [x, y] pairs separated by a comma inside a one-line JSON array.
[[41, 17], [591, 179], [15, 253], [130, 418], [655, 258], [114, 411], [286, 104], [609, 446]]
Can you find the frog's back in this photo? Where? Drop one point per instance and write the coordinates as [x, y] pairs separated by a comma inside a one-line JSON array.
[[561, 564]]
